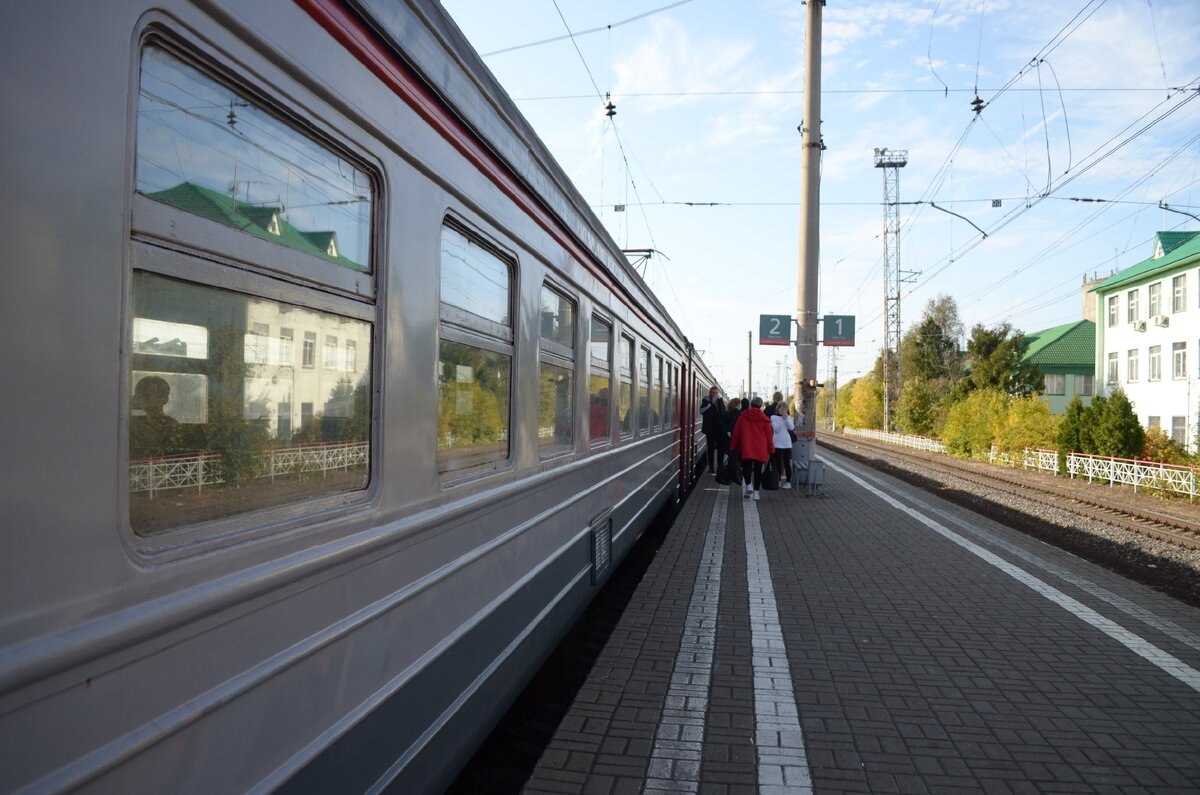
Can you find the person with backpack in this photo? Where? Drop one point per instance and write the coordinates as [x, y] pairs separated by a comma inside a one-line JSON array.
[[753, 440], [732, 470]]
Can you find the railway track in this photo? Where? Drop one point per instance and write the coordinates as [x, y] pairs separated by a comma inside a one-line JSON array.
[[1075, 498]]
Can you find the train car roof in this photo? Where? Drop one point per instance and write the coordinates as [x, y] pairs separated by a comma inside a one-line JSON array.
[[474, 95]]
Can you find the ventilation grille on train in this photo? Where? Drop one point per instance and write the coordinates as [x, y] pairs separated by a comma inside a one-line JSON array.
[[601, 527]]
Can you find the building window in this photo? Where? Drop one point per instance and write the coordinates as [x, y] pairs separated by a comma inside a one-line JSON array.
[[625, 399], [1131, 306], [1179, 293], [1131, 366], [1085, 384], [286, 337], [1155, 362], [556, 358], [1113, 310], [1179, 360], [351, 356], [309, 358], [599, 379], [1154, 421], [1112, 369], [475, 354], [1155, 299], [1056, 384], [1179, 430], [330, 357]]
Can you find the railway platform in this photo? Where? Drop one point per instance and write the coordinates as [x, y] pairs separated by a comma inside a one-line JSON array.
[[879, 639]]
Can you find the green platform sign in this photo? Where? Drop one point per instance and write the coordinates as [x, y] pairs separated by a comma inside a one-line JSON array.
[[839, 330], [774, 329]]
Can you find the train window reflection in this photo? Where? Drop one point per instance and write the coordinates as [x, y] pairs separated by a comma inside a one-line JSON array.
[[209, 151], [599, 379], [555, 408], [473, 278], [625, 404], [215, 435], [558, 318], [644, 390], [473, 412], [162, 338]]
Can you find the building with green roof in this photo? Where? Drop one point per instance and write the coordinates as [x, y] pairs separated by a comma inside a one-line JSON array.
[[1066, 355], [1148, 334]]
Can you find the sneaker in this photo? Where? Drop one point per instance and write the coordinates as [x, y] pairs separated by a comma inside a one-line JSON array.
[[787, 484], [756, 496], [746, 492]]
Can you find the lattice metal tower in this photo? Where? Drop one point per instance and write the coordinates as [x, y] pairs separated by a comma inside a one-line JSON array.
[[891, 161]]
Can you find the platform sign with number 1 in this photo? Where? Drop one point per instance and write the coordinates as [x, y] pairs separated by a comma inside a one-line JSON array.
[[839, 330]]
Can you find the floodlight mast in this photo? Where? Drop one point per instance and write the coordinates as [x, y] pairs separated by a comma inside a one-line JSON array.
[[891, 161], [805, 385]]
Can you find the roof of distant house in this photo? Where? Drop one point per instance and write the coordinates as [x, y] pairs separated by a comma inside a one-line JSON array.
[[1068, 345], [264, 221]]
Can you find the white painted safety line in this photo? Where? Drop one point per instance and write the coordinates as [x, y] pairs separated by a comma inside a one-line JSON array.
[[782, 760], [679, 739], [1138, 645]]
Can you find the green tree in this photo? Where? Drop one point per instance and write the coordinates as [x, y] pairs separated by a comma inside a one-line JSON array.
[[1161, 447], [997, 361], [1088, 423], [1028, 424], [1068, 437], [863, 406], [1117, 429], [929, 351], [921, 409], [975, 422]]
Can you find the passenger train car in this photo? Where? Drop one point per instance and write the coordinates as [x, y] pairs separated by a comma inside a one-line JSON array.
[[328, 403]]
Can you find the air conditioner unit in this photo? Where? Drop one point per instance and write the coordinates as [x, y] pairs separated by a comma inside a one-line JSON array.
[[1162, 320], [1139, 325]]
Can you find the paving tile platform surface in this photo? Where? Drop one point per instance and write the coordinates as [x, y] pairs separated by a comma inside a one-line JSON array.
[[879, 639]]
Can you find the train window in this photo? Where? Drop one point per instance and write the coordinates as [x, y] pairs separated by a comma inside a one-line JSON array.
[[211, 410], [474, 355], [556, 365], [206, 150], [658, 404], [475, 284], [644, 390], [599, 379], [625, 399], [669, 412]]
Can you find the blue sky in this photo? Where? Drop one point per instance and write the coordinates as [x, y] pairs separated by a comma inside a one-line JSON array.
[[1083, 102]]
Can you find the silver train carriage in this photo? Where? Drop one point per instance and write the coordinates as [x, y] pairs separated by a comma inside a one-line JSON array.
[[338, 404]]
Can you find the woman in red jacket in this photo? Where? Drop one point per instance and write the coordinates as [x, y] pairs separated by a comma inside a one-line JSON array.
[[753, 441]]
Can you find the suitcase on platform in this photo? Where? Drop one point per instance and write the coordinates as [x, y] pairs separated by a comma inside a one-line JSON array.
[[770, 480]]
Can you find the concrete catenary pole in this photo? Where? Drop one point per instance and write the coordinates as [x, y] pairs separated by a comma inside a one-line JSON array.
[[810, 206]]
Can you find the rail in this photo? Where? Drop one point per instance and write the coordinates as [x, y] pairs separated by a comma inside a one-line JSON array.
[[1104, 469], [198, 471]]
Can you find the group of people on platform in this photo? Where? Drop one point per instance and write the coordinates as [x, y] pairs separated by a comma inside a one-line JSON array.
[[759, 437]]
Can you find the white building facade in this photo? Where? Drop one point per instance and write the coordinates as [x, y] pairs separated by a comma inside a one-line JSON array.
[[1148, 335]]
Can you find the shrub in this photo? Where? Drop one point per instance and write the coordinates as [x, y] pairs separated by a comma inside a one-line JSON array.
[[974, 422]]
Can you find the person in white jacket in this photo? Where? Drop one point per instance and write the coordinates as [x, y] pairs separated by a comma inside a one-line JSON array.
[[781, 459]]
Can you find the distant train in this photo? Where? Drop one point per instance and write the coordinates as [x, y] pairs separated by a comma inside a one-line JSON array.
[[328, 404]]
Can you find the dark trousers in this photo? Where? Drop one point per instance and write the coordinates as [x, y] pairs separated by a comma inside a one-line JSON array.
[[781, 459], [716, 443], [752, 468]]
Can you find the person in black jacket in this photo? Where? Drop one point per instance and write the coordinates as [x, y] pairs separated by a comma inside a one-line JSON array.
[[732, 464], [712, 410]]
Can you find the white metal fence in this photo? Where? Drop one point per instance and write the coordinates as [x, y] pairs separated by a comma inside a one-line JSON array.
[[197, 471], [1102, 469]]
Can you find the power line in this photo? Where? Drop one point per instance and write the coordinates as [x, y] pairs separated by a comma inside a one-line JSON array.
[[577, 34]]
